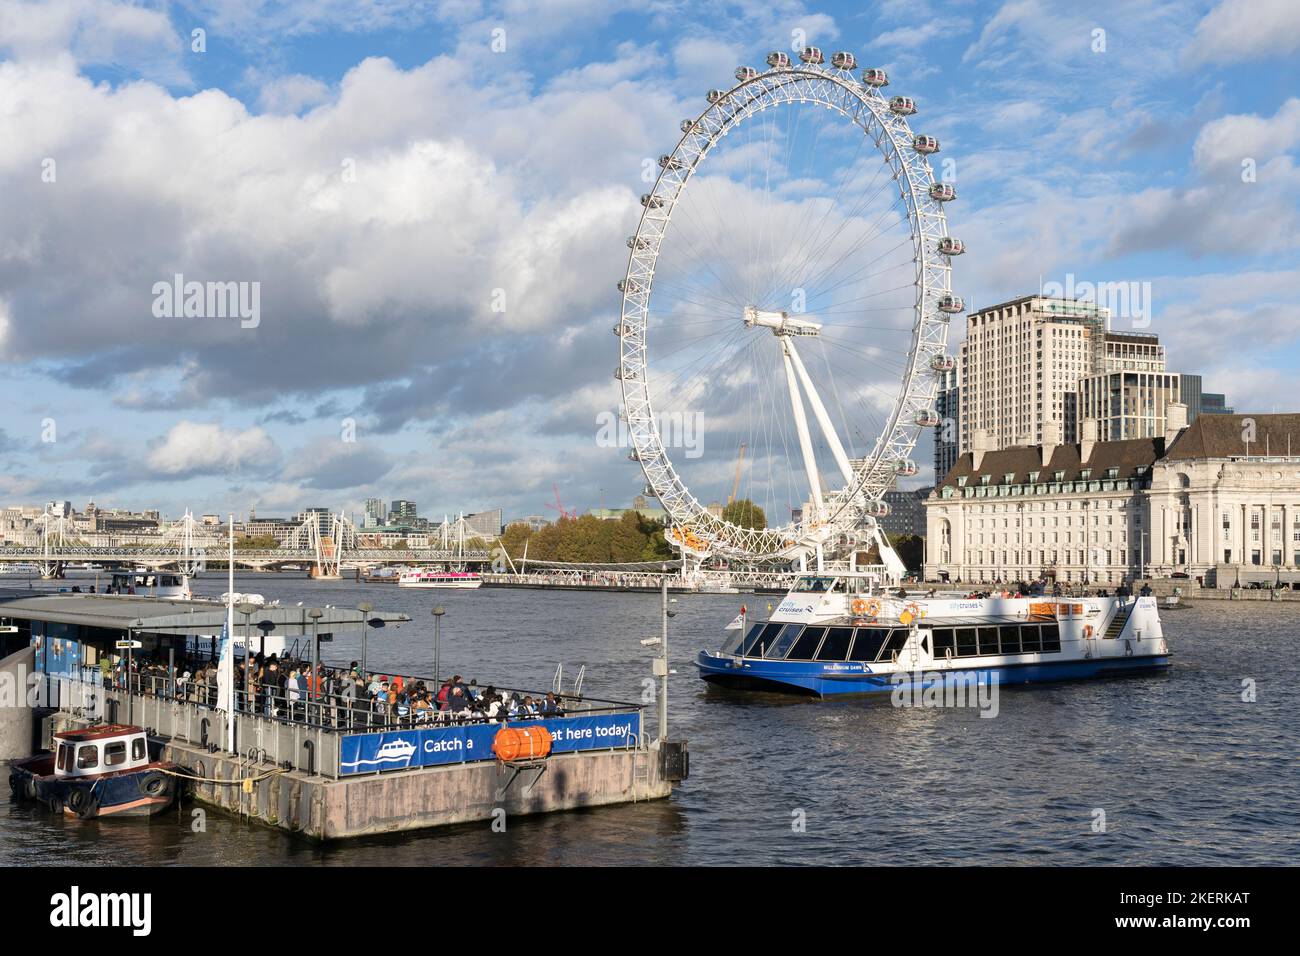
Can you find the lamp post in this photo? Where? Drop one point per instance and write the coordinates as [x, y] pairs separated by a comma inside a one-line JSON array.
[[247, 608], [315, 614], [438, 612], [365, 607]]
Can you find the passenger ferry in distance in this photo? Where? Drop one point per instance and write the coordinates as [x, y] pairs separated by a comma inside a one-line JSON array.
[[424, 578], [838, 633]]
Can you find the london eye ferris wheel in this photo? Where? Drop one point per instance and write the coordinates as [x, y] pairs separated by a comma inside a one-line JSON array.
[[788, 312]]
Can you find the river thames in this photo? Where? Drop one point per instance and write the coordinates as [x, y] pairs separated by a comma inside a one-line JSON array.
[[1179, 768]]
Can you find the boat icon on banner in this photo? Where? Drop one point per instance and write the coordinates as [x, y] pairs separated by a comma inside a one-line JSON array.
[[393, 751]]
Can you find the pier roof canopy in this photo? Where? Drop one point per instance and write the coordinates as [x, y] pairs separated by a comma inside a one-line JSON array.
[[155, 616]]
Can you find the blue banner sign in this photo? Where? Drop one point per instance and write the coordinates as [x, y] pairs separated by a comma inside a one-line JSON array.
[[431, 746]]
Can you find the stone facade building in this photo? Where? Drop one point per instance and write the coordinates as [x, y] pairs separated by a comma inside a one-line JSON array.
[[1200, 501]]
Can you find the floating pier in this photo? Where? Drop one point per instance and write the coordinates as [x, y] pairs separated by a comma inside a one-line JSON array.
[[329, 767]]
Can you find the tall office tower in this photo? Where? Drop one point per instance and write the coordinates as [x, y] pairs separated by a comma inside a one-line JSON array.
[[402, 511], [1020, 368], [374, 513]]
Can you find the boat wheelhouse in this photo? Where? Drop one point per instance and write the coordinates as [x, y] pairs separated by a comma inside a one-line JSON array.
[[102, 770], [167, 585], [840, 633], [426, 578]]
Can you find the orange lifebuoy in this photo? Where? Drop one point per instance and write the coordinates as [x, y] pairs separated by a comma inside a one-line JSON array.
[[521, 743], [859, 607]]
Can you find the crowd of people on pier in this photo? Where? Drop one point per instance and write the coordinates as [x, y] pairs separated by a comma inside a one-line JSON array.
[[335, 696]]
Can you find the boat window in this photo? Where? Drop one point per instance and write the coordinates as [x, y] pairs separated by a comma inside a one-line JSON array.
[[897, 638], [1051, 638], [1010, 639], [760, 638], [806, 646], [138, 749], [868, 643], [734, 642], [804, 585], [988, 640], [966, 645], [776, 650], [64, 753], [115, 753], [87, 756], [836, 645], [1029, 639], [944, 641]]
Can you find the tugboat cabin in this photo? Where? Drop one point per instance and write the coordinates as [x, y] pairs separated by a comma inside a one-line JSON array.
[[104, 749]]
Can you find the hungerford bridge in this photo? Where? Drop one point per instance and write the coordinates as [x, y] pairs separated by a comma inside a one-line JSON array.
[[328, 543]]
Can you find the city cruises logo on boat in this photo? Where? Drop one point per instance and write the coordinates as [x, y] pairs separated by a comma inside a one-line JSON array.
[[977, 690], [208, 300]]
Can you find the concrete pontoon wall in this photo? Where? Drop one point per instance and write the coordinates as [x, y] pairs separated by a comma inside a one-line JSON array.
[[16, 729]]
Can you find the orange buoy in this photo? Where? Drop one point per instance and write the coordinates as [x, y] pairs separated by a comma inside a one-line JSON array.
[[522, 743]]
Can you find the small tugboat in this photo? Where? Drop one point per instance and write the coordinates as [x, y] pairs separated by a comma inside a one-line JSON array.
[[97, 772]]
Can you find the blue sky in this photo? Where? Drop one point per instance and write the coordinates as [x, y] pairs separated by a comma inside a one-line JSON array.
[[475, 170]]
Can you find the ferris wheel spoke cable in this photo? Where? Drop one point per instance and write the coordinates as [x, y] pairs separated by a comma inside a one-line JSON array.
[[805, 253], [866, 199]]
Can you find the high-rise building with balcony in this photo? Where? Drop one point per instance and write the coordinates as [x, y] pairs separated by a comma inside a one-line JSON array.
[[1020, 368]]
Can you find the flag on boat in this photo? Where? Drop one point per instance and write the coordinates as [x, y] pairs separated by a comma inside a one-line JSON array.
[[737, 623]]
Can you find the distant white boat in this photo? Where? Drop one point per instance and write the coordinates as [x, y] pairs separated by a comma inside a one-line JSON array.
[[439, 579], [16, 569]]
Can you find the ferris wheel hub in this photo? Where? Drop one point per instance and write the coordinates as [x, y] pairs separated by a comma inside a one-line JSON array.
[[781, 323]]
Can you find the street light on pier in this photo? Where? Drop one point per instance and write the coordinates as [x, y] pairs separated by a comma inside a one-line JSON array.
[[365, 607], [438, 612], [315, 614], [247, 608]]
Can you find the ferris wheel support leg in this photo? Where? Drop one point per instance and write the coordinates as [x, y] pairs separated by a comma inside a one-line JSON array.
[[801, 426], [823, 419]]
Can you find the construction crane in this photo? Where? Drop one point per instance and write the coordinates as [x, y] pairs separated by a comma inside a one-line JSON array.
[[559, 506], [735, 485]]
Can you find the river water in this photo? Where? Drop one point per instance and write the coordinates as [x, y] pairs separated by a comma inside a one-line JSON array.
[[1168, 769]]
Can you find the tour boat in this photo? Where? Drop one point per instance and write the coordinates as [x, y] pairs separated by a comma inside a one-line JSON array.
[[423, 578], [837, 633], [100, 771], [167, 585]]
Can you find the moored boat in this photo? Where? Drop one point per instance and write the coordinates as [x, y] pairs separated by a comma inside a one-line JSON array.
[[101, 771], [426, 578], [836, 633]]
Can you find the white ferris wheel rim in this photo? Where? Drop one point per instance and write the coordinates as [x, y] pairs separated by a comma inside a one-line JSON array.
[[862, 104]]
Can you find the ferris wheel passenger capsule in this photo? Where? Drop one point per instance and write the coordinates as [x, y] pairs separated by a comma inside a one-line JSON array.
[[744, 73], [667, 162], [943, 363], [811, 54], [943, 192], [626, 285], [951, 246], [904, 468], [687, 125], [651, 201], [715, 95], [875, 77], [636, 242], [618, 374], [877, 509], [925, 145], [778, 60], [902, 105], [844, 60], [951, 304], [927, 418]]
